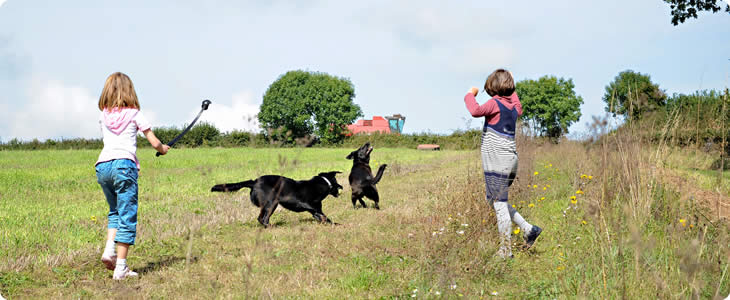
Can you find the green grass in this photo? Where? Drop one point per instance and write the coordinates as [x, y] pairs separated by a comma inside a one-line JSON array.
[[193, 243]]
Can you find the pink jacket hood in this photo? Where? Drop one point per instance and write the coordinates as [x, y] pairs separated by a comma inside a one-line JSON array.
[[117, 119]]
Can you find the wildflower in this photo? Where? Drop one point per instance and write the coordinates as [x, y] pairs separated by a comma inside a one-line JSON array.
[[453, 286], [536, 173], [460, 232], [516, 231], [542, 198], [434, 233], [534, 186], [531, 205], [544, 188], [590, 177], [572, 200], [560, 268], [494, 293], [547, 185], [484, 220], [513, 206], [584, 222], [583, 176], [437, 293], [578, 192], [683, 222], [93, 219], [691, 225]]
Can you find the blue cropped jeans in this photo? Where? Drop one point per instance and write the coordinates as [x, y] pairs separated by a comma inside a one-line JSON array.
[[118, 180]]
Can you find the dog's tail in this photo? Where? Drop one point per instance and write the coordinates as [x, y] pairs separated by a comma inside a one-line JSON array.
[[232, 187], [381, 169]]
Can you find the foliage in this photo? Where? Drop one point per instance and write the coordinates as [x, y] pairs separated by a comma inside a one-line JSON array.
[[301, 103], [632, 94], [551, 104], [687, 9]]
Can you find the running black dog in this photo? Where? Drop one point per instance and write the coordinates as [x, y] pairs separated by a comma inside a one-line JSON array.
[[361, 176], [269, 191]]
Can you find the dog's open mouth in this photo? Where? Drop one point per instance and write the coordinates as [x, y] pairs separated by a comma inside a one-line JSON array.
[[370, 149]]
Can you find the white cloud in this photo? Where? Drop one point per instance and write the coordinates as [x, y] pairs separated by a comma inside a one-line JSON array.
[[239, 115], [55, 110], [2, 2]]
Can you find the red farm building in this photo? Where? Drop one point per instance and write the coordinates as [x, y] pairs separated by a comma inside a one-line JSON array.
[[388, 124]]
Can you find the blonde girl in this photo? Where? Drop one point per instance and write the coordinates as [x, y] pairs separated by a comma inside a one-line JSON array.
[[117, 167]]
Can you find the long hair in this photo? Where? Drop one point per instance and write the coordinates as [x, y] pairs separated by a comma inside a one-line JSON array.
[[501, 83], [118, 92]]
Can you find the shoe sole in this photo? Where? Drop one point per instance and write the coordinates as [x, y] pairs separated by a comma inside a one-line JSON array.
[[109, 262]]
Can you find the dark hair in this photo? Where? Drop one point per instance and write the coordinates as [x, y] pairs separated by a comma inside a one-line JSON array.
[[501, 83]]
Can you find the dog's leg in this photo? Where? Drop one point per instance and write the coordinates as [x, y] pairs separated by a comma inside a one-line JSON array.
[[355, 197], [266, 212], [372, 193]]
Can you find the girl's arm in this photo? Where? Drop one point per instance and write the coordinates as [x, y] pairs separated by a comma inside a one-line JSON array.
[[487, 109], [155, 142]]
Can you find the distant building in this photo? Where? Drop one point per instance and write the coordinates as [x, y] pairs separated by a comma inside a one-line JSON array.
[[388, 124]]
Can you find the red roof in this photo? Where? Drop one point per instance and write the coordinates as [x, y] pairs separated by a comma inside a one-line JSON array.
[[377, 124]]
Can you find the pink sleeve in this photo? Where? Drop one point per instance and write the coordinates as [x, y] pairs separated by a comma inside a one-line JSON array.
[[487, 109], [141, 121], [518, 104]]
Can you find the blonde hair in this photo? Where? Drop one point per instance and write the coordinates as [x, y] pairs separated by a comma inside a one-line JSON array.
[[501, 83], [118, 92]]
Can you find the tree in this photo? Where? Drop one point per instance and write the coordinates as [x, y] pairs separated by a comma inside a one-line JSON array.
[[686, 9], [634, 94], [300, 103], [551, 104]]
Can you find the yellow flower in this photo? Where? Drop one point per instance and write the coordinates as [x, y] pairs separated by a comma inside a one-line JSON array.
[[93, 218], [536, 173], [513, 206], [516, 231], [584, 222], [579, 192], [531, 205], [683, 222], [534, 186], [572, 200], [691, 225], [550, 165], [590, 177], [542, 198], [583, 176], [544, 188], [547, 185], [484, 220], [560, 268]]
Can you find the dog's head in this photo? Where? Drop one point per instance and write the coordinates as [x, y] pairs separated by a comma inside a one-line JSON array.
[[334, 186], [361, 155]]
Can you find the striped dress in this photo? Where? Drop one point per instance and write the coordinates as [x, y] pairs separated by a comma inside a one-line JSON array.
[[498, 150]]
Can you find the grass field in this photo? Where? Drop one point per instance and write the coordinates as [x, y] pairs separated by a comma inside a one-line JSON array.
[[627, 233]]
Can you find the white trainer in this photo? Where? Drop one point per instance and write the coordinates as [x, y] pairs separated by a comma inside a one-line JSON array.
[[124, 273]]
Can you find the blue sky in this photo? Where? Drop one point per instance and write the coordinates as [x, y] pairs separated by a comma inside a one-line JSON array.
[[417, 58]]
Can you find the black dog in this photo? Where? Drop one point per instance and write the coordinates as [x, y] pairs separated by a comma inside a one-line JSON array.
[[269, 191], [361, 176]]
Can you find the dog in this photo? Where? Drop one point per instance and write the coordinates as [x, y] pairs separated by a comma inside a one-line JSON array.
[[361, 176], [269, 191]]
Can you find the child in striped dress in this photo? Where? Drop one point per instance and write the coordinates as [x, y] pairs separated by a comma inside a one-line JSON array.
[[499, 153]]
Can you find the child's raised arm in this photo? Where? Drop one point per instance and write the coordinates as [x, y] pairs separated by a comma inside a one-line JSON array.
[[487, 109]]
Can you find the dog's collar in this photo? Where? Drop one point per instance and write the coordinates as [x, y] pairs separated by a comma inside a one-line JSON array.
[[325, 179]]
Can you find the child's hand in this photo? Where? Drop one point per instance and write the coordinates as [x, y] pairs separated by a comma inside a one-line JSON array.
[[164, 149], [474, 91]]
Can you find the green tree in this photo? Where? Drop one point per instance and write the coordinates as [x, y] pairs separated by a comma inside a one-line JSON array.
[[551, 104], [632, 94], [300, 103], [686, 9]]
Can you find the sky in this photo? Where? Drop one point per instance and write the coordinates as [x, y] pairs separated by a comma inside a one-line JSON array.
[[413, 57]]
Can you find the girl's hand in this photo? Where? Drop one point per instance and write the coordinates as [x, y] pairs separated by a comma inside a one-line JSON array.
[[474, 91], [164, 149]]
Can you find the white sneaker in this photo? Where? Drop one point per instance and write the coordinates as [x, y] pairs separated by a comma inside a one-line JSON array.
[[109, 261], [124, 273]]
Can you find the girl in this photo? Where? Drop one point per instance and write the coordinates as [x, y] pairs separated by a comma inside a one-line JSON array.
[[499, 154], [117, 167]]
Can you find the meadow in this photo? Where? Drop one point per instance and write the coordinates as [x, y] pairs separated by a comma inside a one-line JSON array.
[[622, 219]]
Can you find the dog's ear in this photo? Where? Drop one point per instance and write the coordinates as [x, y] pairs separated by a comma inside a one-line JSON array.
[[351, 155]]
